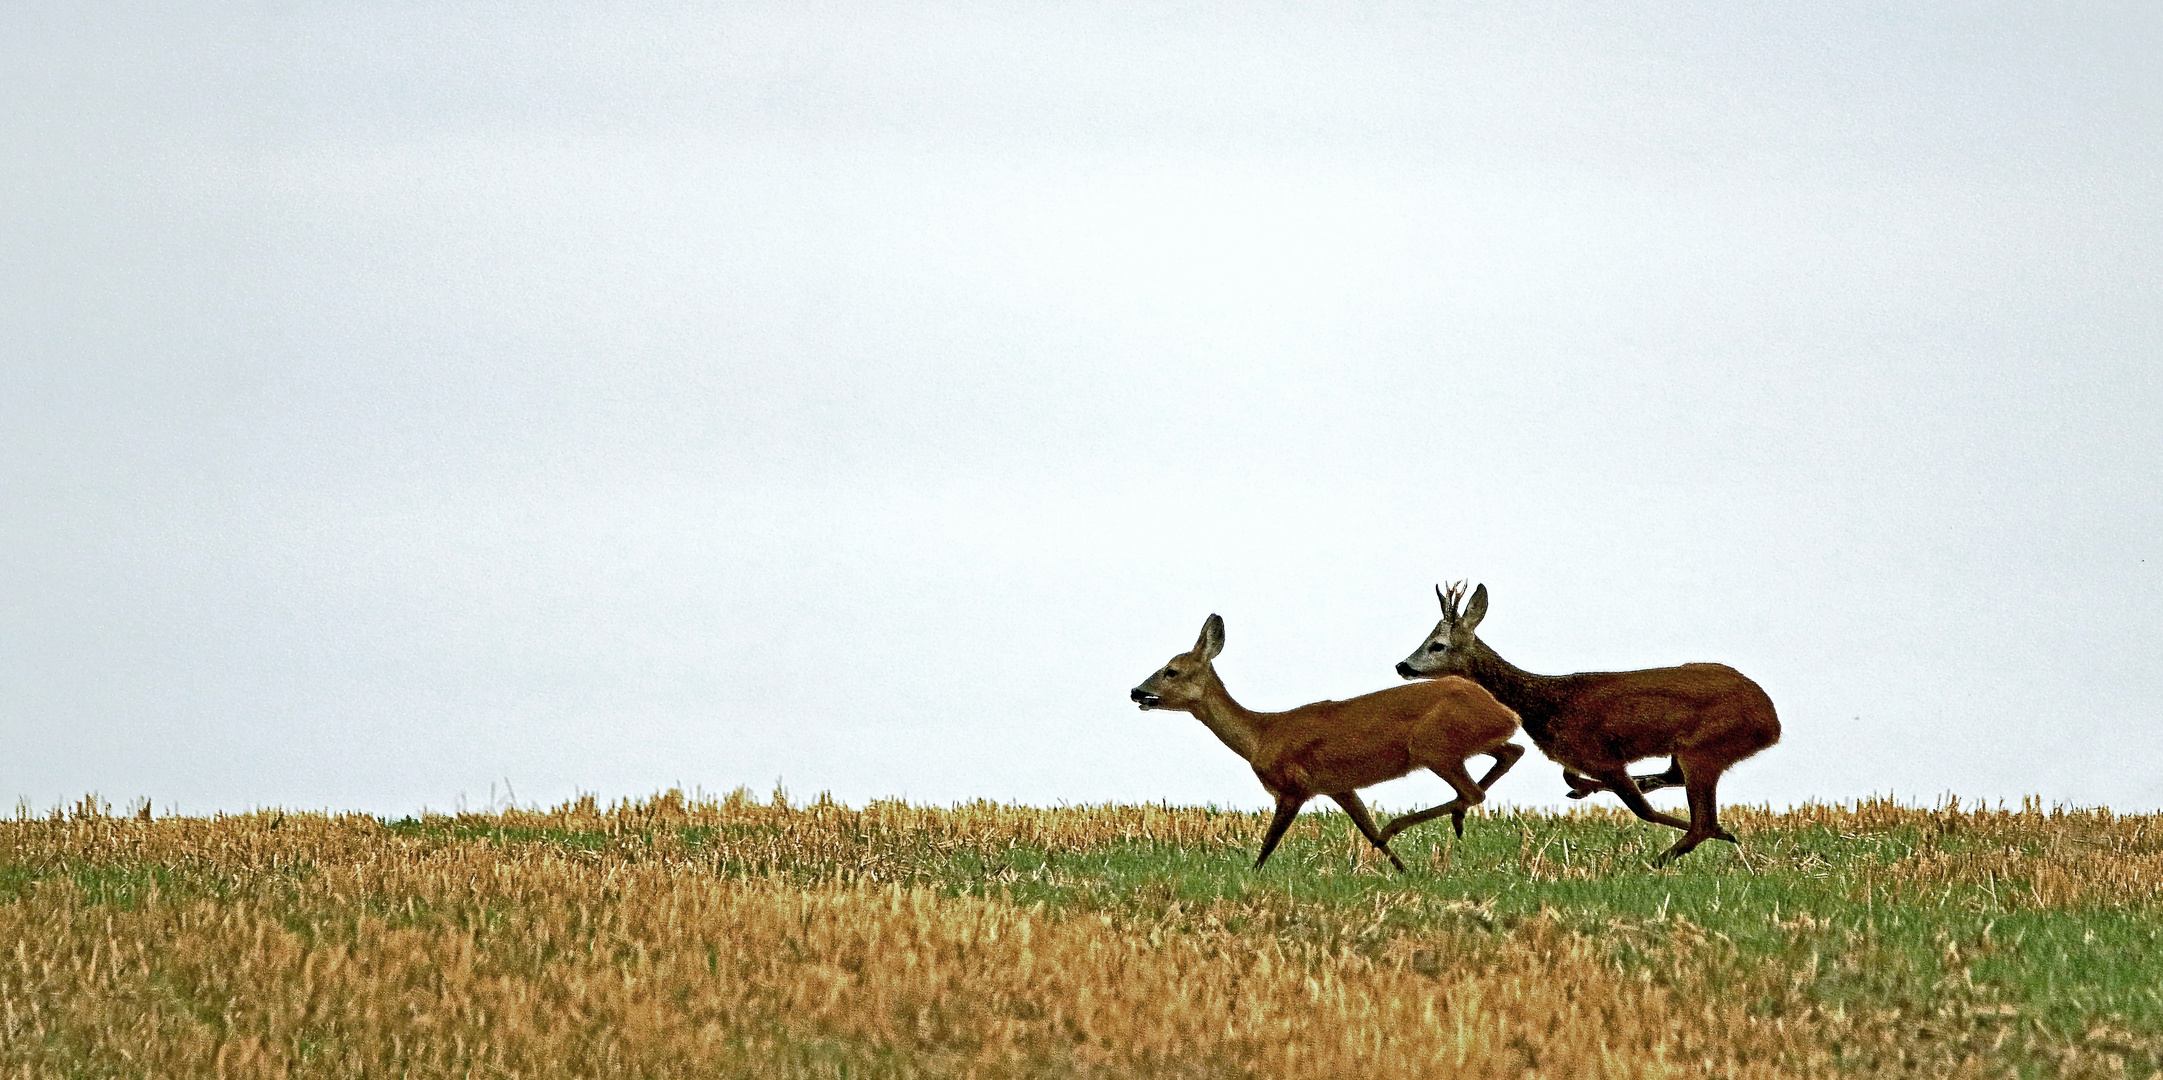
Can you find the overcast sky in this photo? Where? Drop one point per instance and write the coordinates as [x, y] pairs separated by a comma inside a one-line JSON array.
[[400, 404]]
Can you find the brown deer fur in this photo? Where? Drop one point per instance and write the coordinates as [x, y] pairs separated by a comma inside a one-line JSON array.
[[1594, 724], [1334, 748]]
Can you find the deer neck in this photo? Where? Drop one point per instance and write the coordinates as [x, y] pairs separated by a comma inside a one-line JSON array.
[[1238, 726], [1535, 698]]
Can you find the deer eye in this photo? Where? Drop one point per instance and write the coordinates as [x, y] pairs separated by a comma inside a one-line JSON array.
[[1170, 674], [1435, 646]]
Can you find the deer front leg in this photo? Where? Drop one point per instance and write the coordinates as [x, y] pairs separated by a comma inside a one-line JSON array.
[[1357, 811], [1287, 809]]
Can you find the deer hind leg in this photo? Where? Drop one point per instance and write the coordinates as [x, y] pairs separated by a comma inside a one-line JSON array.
[[1582, 785], [1618, 781], [1287, 809], [1469, 795], [1357, 811], [1673, 777], [1505, 756], [1704, 813]]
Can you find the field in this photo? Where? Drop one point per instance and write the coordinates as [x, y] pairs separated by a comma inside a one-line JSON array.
[[747, 937]]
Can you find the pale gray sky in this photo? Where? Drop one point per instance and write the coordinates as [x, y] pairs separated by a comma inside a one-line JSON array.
[[403, 401]]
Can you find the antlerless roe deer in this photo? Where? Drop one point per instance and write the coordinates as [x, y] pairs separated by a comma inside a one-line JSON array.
[[1334, 748], [1595, 723]]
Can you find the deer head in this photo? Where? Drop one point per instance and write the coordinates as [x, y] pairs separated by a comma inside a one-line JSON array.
[[1184, 681], [1449, 648]]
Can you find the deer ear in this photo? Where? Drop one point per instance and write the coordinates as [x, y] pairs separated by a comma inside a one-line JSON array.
[[1477, 609], [1212, 640]]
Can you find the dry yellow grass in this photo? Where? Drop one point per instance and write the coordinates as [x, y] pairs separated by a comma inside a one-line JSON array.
[[670, 938]]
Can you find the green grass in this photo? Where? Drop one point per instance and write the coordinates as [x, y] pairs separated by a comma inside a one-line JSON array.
[[1807, 901]]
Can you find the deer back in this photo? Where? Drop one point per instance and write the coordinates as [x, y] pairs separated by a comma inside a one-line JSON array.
[[1332, 746]]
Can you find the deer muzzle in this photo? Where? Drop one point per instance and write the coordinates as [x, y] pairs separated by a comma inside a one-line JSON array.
[[1144, 698]]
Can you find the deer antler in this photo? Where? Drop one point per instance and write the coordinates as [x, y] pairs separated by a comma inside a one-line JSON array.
[[1450, 598]]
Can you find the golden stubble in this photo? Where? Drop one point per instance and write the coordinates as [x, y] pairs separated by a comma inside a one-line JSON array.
[[793, 941]]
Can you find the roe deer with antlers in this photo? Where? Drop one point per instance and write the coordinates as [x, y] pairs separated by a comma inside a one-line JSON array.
[[1595, 723], [1334, 748]]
